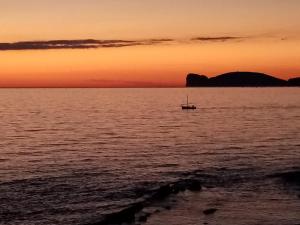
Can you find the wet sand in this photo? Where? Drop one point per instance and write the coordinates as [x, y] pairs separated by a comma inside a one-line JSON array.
[[268, 201]]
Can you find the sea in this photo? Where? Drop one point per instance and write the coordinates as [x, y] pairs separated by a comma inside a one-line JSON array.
[[133, 156]]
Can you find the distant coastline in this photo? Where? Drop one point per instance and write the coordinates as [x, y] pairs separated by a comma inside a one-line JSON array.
[[240, 79]]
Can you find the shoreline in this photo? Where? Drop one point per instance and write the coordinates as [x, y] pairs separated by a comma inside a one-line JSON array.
[[194, 201]]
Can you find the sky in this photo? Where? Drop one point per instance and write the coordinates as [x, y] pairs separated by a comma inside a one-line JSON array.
[[153, 43]]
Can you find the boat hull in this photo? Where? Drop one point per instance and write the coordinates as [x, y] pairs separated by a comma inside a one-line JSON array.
[[188, 107]]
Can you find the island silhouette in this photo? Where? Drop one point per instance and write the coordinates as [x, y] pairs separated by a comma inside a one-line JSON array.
[[239, 79]]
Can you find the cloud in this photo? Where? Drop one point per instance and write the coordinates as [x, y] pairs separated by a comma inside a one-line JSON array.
[[78, 44], [117, 43], [218, 38]]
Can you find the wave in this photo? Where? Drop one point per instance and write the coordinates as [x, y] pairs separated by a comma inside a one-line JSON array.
[[137, 212], [148, 197], [132, 213], [289, 177]]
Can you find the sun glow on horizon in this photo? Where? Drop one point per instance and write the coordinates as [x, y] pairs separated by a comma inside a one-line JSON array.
[[137, 49]]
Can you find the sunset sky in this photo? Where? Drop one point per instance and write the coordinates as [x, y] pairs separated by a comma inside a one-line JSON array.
[[139, 43]]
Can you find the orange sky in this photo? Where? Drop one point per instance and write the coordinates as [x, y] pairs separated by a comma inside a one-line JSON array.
[[233, 35]]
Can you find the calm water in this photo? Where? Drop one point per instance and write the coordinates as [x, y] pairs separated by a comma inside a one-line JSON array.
[[70, 156]]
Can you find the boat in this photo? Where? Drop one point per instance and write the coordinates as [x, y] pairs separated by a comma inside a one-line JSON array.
[[188, 106]]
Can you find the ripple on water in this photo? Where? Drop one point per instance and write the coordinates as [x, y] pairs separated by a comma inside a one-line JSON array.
[[69, 155]]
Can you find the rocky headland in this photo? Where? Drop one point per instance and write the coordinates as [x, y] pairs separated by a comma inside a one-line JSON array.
[[239, 79]]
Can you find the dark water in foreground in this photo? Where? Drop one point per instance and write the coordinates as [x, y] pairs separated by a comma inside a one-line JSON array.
[[71, 156]]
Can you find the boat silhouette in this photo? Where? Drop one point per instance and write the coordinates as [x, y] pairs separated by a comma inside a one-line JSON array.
[[188, 106]]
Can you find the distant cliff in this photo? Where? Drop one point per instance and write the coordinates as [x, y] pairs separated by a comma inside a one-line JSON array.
[[294, 81], [239, 79]]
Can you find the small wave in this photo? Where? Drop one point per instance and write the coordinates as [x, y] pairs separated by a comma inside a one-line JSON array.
[[132, 212], [56, 144], [168, 165], [19, 137], [233, 148], [35, 130], [289, 177]]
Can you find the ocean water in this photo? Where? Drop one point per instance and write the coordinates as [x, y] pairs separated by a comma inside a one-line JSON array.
[[78, 156]]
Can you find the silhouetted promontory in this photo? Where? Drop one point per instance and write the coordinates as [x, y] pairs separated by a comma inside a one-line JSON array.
[[294, 81], [239, 79]]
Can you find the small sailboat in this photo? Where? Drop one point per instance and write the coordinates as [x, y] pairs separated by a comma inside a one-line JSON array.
[[188, 106]]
